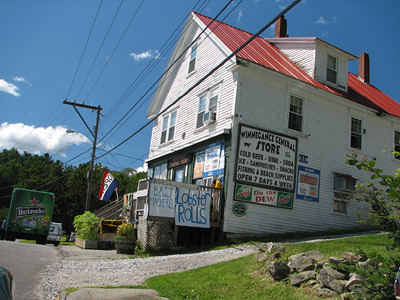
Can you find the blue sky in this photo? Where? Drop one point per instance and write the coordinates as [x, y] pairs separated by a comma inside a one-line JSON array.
[[43, 43]]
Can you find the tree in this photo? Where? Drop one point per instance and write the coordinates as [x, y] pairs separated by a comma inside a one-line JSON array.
[[382, 194]]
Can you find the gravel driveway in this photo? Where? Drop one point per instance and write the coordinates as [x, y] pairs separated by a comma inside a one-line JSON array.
[[78, 268]]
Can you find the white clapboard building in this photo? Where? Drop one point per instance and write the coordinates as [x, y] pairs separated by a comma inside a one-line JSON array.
[[273, 124]]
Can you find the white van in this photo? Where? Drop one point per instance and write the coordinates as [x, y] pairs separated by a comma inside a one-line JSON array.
[[55, 234]]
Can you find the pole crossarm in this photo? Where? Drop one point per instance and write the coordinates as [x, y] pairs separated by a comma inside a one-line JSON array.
[[98, 109]]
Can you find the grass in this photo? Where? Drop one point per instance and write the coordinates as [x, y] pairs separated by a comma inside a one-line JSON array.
[[244, 278], [62, 242]]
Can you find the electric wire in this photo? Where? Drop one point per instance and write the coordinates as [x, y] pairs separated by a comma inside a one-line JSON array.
[[84, 48], [100, 48], [167, 70], [207, 75]]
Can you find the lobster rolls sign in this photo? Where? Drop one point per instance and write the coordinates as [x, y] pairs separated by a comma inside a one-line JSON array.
[[266, 160]]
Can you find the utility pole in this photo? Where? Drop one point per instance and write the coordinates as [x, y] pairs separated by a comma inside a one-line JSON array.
[[98, 109]]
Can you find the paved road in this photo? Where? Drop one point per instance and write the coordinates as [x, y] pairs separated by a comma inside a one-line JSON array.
[[26, 262]]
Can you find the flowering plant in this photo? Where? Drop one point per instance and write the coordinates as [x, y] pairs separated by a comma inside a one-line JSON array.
[[126, 231]]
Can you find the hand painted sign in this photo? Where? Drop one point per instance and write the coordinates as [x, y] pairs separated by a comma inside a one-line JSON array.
[[308, 184], [263, 196], [162, 200], [192, 208], [266, 159]]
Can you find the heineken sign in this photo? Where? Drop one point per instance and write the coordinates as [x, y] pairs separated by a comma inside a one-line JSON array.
[[257, 195], [266, 159]]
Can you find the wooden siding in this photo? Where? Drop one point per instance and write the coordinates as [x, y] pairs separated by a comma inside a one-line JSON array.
[[302, 56], [186, 134], [263, 102]]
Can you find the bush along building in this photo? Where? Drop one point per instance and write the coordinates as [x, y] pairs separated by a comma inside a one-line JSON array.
[[260, 145]]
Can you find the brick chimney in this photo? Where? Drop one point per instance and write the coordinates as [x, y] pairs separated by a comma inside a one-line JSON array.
[[281, 27], [363, 67]]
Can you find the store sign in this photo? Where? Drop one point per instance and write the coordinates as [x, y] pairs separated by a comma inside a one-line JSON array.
[[192, 208], [263, 196], [162, 200], [180, 160], [266, 159], [212, 160], [308, 184]]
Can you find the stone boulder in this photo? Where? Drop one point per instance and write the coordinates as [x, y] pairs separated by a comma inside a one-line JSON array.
[[304, 261], [299, 278], [332, 279], [278, 270], [326, 293], [271, 247]]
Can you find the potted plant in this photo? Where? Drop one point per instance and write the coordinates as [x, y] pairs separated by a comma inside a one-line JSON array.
[[86, 226], [125, 240]]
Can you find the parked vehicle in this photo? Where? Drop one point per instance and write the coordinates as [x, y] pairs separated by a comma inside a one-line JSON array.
[[7, 287], [55, 234], [30, 215]]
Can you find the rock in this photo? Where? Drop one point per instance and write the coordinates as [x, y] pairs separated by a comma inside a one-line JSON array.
[[326, 293], [351, 257], [304, 261], [302, 277], [332, 279], [274, 255], [271, 247], [355, 279], [347, 296], [278, 270], [262, 257]]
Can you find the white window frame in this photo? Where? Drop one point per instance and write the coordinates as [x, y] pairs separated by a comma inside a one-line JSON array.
[[354, 133], [328, 69], [168, 127], [296, 113], [343, 186], [192, 59], [161, 171], [202, 109]]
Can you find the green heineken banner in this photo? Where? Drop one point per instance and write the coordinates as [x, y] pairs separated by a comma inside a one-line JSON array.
[[257, 195]]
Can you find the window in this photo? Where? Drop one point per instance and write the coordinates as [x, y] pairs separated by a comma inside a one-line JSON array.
[[296, 113], [343, 186], [207, 102], [160, 171], [168, 128], [356, 133], [331, 70], [192, 62], [397, 144]]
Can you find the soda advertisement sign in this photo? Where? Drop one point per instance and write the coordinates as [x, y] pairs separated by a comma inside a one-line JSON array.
[[266, 159], [263, 196], [308, 184]]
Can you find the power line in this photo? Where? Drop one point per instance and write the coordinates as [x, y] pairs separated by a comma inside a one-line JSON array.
[[207, 75], [101, 47], [167, 70], [84, 49]]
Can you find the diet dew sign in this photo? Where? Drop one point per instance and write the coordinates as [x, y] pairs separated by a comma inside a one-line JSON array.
[[192, 208]]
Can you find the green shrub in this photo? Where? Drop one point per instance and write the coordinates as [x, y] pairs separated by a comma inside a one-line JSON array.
[[126, 231], [86, 226]]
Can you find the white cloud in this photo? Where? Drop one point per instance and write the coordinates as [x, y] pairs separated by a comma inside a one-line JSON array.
[[321, 20], [21, 79], [145, 55], [38, 140], [240, 15], [142, 169], [9, 88]]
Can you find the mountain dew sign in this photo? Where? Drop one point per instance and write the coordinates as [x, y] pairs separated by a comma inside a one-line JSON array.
[[252, 194]]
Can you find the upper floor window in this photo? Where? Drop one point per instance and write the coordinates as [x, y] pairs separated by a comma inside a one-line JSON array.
[[356, 133], [331, 70], [168, 128], [397, 144], [192, 62], [207, 102], [296, 113]]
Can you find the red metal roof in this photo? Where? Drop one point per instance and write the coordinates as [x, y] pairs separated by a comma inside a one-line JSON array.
[[263, 53]]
